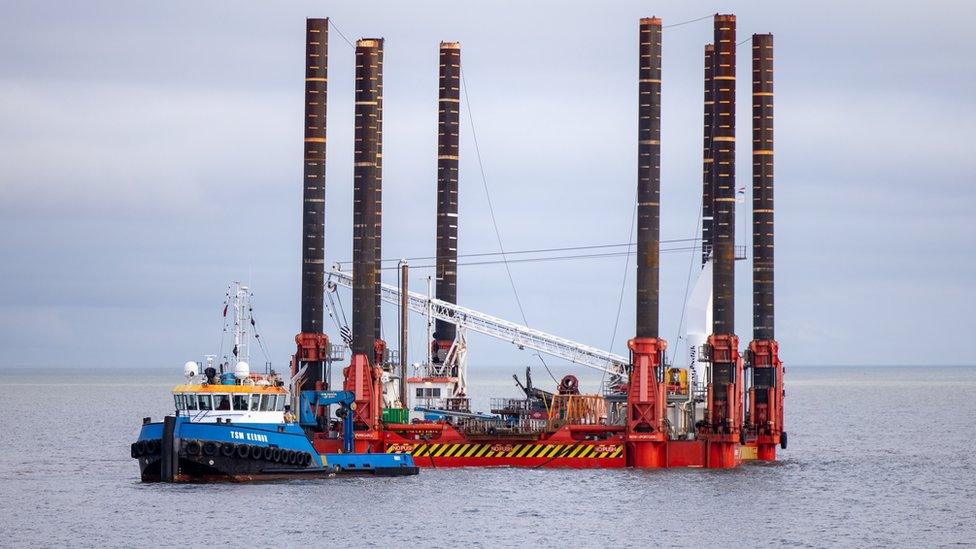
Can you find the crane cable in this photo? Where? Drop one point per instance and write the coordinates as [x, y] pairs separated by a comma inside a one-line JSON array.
[[343, 36], [541, 259], [623, 286], [688, 21], [266, 351], [691, 267], [538, 250], [491, 211]]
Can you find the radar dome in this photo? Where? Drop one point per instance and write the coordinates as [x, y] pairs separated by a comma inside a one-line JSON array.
[[191, 369], [242, 370]]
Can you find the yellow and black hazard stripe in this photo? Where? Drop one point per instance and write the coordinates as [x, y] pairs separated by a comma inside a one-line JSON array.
[[457, 450]]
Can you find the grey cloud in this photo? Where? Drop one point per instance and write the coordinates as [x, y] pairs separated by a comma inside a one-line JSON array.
[[150, 153]]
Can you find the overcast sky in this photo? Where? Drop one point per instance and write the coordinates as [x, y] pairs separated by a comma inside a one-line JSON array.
[[150, 152]]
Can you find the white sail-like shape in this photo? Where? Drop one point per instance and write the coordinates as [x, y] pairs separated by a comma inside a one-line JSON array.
[[698, 324]]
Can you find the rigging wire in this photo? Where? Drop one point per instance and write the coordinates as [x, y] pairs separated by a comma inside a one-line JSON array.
[[545, 250], [691, 268], [688, 21], [539, 250], [257, 335], [342, 311], [491, 211], [700, 19], [343, 36], [332, 313], [623, 285], [550, 258]]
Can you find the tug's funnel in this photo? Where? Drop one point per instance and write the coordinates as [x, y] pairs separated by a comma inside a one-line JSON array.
[[448, 122]]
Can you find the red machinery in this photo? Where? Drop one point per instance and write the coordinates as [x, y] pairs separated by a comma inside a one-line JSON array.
[[647, 435], [722, 428], [363, 379], [765, 418]]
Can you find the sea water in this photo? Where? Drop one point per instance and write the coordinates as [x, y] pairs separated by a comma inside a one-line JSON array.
[[877, 457]]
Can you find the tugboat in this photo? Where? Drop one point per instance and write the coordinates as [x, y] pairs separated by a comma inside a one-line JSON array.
[[238, 425]]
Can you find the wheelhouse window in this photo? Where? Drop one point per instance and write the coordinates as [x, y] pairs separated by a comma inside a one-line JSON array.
[[281, 403], [221, 402], [178, 400], [268, 403], [255, 402], [206, 403], [190, 400], [240, 402]]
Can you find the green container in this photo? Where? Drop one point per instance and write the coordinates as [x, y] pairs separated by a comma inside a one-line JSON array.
[[396, 415]]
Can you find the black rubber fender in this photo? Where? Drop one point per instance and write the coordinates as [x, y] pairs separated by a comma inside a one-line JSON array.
[[193, 448], [243, 451], [782, 440], [226, 449], [134, 450], [308, 459], [152, 446], [210, 448], [256, 452], [268, 453], [276, 455]]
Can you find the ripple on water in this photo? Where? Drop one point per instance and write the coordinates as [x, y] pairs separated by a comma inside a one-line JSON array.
[[868, 465]]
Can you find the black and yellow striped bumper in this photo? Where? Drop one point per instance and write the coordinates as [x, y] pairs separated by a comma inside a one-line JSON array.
[[501, 450]]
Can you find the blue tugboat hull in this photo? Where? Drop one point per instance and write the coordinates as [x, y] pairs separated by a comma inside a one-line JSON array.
[[179, 450]]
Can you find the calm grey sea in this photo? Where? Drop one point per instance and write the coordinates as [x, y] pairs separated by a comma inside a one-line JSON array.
[[877, 457]]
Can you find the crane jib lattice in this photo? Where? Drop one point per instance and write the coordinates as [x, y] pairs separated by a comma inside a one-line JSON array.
[[517, 334]]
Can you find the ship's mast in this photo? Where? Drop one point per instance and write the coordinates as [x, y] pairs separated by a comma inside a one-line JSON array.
[[242, 321]]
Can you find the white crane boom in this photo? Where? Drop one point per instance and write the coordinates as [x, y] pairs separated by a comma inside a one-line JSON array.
[[517, 334]]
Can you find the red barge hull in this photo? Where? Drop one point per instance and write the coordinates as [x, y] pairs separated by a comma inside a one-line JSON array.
[[440, 445], [583, 455]]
